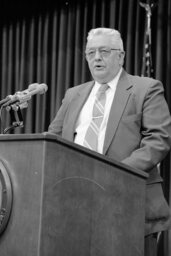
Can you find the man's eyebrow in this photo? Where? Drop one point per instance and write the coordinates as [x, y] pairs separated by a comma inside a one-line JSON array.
[[100, 47]]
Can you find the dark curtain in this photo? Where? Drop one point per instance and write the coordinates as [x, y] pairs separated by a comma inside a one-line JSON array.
[[45, 43]]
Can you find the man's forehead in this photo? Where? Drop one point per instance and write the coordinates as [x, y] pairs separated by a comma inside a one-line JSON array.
[[99, 41]]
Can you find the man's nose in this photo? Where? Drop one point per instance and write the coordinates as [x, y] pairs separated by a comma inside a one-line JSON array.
[[97, 54]]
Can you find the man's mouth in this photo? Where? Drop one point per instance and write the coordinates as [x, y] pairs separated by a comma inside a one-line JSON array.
[[98, 67]]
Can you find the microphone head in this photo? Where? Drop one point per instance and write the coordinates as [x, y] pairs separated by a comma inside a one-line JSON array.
[[40, 88], [43, 88], [33, 86]]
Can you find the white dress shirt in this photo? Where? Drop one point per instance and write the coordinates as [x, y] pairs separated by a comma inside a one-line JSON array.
[[85, 116]]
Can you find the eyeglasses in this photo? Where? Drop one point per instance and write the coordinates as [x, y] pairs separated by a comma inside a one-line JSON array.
[[104, 52]]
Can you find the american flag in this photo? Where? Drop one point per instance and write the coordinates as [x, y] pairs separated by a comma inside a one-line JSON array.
[[147, 65]]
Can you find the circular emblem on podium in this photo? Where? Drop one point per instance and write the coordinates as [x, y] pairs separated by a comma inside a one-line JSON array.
[[5, 197]]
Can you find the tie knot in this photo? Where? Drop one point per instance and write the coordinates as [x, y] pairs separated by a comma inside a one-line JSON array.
[[103, 88]]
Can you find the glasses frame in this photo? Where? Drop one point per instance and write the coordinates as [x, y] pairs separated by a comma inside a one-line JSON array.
[[89, 57]]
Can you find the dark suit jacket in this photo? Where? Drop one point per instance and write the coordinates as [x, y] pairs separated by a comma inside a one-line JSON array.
[[138, 134]]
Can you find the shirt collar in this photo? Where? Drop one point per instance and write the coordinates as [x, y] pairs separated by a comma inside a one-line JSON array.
[[112, 84]]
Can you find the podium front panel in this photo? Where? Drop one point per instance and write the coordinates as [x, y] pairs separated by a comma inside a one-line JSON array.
[[68, 201]]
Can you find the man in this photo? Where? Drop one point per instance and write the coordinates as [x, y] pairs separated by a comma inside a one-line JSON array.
[[134, 126]]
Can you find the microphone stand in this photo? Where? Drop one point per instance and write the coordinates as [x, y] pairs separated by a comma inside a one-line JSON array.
[[14, 104], [16, 119]]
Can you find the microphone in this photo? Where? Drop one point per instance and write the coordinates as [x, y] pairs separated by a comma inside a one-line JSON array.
[[24, 96], [13, 97]]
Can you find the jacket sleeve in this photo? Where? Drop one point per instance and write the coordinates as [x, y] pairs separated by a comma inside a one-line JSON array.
[[155, 130], [56, 125]]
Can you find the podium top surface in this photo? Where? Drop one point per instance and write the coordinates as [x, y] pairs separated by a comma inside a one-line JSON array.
[[57, 139]]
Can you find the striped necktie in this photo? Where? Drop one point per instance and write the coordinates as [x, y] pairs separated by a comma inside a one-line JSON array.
[[91, 137]]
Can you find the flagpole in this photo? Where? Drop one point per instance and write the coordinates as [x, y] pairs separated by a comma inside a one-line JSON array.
[[147, 67]]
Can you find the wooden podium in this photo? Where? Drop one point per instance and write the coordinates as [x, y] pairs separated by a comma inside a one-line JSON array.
[[60, 199]]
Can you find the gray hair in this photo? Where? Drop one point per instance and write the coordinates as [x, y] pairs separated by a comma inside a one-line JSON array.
[[115, 35]]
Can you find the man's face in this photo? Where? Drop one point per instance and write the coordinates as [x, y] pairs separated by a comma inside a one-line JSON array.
[[104, 60]]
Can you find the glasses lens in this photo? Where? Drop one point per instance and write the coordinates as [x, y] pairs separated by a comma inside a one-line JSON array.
[[104, 52]]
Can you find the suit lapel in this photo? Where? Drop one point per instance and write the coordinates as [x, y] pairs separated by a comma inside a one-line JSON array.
[[120, 100], [76, 106]]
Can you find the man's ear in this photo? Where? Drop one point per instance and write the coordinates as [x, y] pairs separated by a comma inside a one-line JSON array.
[[121, 57], [122, 54]]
